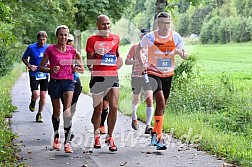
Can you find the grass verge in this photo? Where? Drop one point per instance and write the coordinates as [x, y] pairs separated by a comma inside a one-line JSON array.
[[8, 150]]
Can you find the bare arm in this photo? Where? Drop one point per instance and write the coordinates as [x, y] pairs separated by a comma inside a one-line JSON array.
[[131, 57], [90, 60], [119, 62], [139, 57], [182, 53], [28, 65], [129, 61], [42, 67], [80, 67]]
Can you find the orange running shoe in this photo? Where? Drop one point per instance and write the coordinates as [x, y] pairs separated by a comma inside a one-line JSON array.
[[67, 148], [97, 143], [102, 130], [56, 143], [110, 142]]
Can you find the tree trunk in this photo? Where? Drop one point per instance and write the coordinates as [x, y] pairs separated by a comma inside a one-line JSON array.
[[160, 7]]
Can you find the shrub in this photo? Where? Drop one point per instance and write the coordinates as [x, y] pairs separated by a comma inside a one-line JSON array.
[[6, 60]]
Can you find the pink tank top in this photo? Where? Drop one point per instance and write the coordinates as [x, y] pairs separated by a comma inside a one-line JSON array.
[[62, 59]]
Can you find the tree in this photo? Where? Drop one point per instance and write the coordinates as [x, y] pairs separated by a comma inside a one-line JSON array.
[[33, 16], [163, 5], [89, 10]]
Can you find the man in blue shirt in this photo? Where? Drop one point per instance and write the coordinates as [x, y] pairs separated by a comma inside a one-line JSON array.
[[35, 53]]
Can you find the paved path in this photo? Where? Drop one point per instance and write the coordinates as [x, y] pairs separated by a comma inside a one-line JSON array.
[[133, 146]]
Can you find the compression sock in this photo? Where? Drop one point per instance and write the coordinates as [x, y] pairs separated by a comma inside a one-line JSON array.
[[56, 122], [104, 116], [67, 127], [134, 110], [149, 113], [159, 125]]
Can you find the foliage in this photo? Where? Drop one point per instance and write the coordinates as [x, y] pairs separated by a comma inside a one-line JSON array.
[[197, 19], [6, 136], [210, 103], [21, 20], [220, 103], [208, 32], [234, 24], [243, 8], [89, 10], [224, 30], [240, 30], [183, 25], [31, 18], [6, 60]]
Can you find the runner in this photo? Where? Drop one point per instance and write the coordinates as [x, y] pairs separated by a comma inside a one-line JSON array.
[[77, 85], [163, 44], [138, 81], [61, 57], [103, 56], [38, 79]]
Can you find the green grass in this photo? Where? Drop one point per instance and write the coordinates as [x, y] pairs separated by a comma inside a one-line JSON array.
[[223, 58], [212, 109], [6, 136]]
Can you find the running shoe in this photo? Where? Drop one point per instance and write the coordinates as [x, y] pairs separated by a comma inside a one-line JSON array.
[[161, 145], [110, 142], [102, 130], [67, 148], [97, 143], [135, 124], [32, 106], [153, 138], [147, 129], [39, 118], [56, 143]]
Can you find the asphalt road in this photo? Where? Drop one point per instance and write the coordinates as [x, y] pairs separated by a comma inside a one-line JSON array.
[[35, 140]]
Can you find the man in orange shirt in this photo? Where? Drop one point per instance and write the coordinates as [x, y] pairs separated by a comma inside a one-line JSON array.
[[163, 44]]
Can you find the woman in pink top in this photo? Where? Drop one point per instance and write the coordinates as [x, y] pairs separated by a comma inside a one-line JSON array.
[[61, 58]]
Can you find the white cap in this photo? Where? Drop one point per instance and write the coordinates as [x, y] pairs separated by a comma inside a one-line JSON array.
[[71, 37]]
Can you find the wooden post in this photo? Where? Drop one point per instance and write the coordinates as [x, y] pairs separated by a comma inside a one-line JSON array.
[[77, 41]]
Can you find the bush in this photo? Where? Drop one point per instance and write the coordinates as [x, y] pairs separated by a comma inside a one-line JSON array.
[[6, 136], [6, 60]]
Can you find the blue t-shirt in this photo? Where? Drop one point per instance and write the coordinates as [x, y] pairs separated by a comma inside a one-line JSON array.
[[36, 54]]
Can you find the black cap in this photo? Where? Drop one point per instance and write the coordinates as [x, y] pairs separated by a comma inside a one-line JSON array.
[[145, 31]]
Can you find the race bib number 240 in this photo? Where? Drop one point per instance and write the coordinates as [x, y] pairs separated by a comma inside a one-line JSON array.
[[108, 59]]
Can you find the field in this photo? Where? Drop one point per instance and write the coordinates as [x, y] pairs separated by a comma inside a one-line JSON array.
[[224, 58]]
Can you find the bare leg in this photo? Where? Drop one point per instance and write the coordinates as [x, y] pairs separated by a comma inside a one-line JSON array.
[[42, 101], [113, 95], [96, 117]]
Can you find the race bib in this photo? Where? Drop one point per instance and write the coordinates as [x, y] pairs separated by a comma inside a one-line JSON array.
[[108, 59], [163, 64], [40, 75]]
